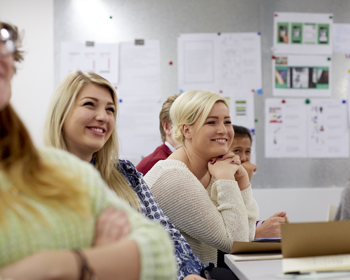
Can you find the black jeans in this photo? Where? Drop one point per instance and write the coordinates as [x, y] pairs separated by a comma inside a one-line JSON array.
[[219, 273]]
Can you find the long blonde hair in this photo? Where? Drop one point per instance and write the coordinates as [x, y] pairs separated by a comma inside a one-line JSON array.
[[29, 173], [106, 159], [187, 108]]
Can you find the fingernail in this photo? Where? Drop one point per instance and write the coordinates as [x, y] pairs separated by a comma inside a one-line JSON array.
[[232, 161], [211, 161]]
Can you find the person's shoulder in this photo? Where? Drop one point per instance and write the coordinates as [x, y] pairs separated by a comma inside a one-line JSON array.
[[67, 160], [127, 167], [169, 168]]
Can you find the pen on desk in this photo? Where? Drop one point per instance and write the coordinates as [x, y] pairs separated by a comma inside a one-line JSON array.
[[206, 273]]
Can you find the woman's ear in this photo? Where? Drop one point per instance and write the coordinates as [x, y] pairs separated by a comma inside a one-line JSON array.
[[187, 131]]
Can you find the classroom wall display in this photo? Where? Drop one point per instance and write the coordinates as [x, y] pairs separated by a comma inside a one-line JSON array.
[[102, 59], [302, 33], [226, 63], [139, 98], [301, 75], [306, 128], [341, 38], [124, 21]]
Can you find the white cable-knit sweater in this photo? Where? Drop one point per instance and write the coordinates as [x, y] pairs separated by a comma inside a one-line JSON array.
[[209, 219]]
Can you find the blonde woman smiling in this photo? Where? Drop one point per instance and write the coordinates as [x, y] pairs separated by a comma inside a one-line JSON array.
[[81, 120], [211, 212]]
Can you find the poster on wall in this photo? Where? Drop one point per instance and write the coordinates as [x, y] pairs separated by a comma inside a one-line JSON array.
[[199, 59], [301, 75], [226, 63], [285, 128], [303, 33], [306, 128], [103, 59], [341, 38], [139, 99]]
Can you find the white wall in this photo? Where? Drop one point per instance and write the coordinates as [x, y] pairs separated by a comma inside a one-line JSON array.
[[301, 204], [34, 83]]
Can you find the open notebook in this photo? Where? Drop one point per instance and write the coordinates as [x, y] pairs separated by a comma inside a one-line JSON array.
[[310, 247]]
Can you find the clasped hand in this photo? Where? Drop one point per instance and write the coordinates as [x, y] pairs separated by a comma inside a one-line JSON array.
[[229, 167]]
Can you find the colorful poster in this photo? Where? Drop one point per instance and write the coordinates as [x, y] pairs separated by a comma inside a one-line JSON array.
[[302, 33], [301, 75]]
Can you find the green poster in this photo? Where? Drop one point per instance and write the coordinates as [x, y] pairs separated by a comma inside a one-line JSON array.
[[282, 33], [297, 33], [323, 34]]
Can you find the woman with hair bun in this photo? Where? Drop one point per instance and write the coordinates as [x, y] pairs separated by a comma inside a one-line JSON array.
[[210, 211]]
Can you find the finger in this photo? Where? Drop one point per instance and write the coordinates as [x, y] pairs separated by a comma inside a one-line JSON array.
[[286, 219], [121, 226], [279, 214], [228, 155], [235, 160]]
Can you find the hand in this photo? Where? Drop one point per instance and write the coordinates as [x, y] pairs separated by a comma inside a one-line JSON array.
[[271, 228], [111, 226], [224, 167], [250, 168], [193, 277], [43, 266]]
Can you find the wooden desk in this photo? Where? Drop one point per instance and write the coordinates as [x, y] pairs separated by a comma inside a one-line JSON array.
[[272, 269]]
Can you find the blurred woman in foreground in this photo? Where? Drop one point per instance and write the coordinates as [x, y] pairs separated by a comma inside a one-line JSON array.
[[50, 201]]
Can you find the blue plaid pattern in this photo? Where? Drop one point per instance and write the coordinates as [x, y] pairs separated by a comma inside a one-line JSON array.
[[187, 261]]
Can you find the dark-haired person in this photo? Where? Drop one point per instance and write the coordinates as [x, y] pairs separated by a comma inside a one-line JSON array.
[[242, 144]]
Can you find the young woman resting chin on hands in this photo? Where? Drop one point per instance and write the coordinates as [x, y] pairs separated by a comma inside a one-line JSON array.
[[202, 187]]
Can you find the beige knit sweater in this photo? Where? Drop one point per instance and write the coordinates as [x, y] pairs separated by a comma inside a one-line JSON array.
[[209, 219]]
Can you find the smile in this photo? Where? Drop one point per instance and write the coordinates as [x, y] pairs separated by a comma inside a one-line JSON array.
[[97, 130], [220, 140]]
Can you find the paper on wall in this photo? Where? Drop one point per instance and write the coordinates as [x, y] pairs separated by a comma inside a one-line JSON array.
[[139, 99], [299, 128], [102, 59], [341, 38], [301, 75], [302, 33]]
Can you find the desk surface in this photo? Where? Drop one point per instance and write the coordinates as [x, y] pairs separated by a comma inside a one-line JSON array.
[[271, 269]]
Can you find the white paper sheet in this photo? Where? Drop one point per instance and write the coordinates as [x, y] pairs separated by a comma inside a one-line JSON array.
[[199, 61], [241, 74], [285, 128], [328, 132], [139, 95], [229, 64], [341, 38], [102, 59], [301, 75], [299, 128], [302, 33], [241, 61]]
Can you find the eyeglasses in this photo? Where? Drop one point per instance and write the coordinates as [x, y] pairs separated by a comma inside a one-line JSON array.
[[7, 43]]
